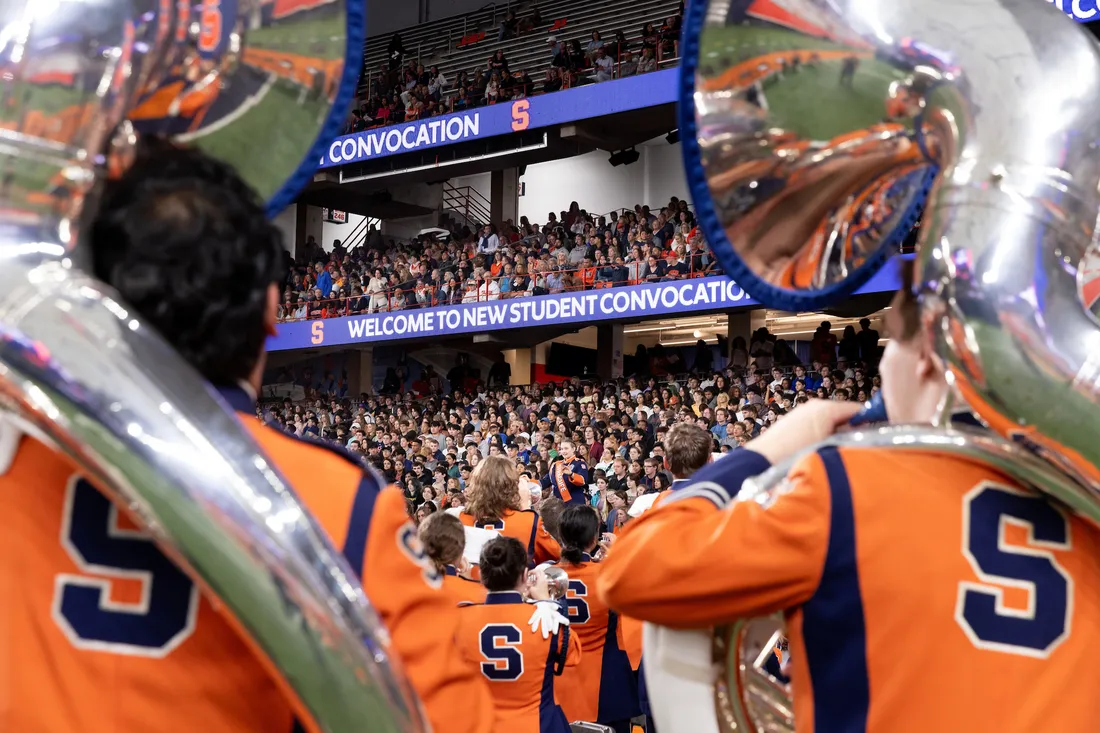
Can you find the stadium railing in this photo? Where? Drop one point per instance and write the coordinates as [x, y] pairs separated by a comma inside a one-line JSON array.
[[527, 52], [397, 299]]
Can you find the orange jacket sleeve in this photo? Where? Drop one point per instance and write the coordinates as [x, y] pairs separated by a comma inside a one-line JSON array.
[[573, 652], [546, 547], [422, 620], [700, 559]]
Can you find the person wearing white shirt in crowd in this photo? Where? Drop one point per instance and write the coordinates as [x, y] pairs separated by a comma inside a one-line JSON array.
[[489, 241], [604, 66], [376, 290], [437, 83], [576, 255], [489, 289]]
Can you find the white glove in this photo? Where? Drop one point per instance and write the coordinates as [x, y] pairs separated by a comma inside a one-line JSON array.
[[548, 618]]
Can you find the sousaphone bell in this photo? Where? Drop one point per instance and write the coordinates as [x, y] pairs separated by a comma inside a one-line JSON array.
[[815, 136]]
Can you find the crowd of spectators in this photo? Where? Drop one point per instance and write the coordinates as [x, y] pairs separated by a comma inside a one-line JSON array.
[[571, 251], [402, 90], [427, 436]]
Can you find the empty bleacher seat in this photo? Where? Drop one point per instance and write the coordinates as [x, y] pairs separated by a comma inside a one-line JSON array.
[[471, 39], [576, 19]]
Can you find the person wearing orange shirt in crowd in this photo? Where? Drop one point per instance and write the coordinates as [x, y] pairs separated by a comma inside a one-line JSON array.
[[493, 502], [444, 539], [888, 563], [500, 639], [602, 689], [99, 619]]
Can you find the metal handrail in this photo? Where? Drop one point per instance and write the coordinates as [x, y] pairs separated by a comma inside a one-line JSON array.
[[355, 231], [389, 300], [465, 200], [450, 44]]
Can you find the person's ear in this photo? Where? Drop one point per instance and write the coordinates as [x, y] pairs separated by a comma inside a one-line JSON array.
[[271, 310]]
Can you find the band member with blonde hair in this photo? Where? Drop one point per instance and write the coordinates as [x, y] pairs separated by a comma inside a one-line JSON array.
[[879, 555], [568, 476], [493, 502]]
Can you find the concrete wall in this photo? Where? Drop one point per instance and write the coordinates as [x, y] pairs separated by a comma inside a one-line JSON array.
[[600, 187]]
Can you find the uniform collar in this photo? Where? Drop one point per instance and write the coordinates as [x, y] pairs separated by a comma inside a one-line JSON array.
[[585, 557], [503, 596], [450, 570], [240, 396]]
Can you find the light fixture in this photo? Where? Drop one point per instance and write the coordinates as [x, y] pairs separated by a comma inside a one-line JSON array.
[[698, 334], [624, 157]]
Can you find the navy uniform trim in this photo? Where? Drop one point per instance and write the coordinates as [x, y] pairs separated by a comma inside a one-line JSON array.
[[362, 511], [535, 519], [333, 448], [498, 597], [551, 717], [370, 484], [618, 699], [719, 482], [833, 626], [238, 399]]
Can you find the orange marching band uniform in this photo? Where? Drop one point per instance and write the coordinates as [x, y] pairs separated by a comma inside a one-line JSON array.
[[111, 636], [569, 487], [462, 590], [521, 666], [871, 554], [524, 525], [602, 688]]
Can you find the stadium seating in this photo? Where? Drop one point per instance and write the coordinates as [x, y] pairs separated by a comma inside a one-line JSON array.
[[438, 42]]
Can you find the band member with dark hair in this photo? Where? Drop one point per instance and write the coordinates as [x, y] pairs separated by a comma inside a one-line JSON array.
[[499, 638], [568, 476], [860, 543], [103, 621], [602, 689]]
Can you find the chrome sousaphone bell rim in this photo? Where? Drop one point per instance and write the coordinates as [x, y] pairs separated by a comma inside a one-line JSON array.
[[694, 24], [79, 371]]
